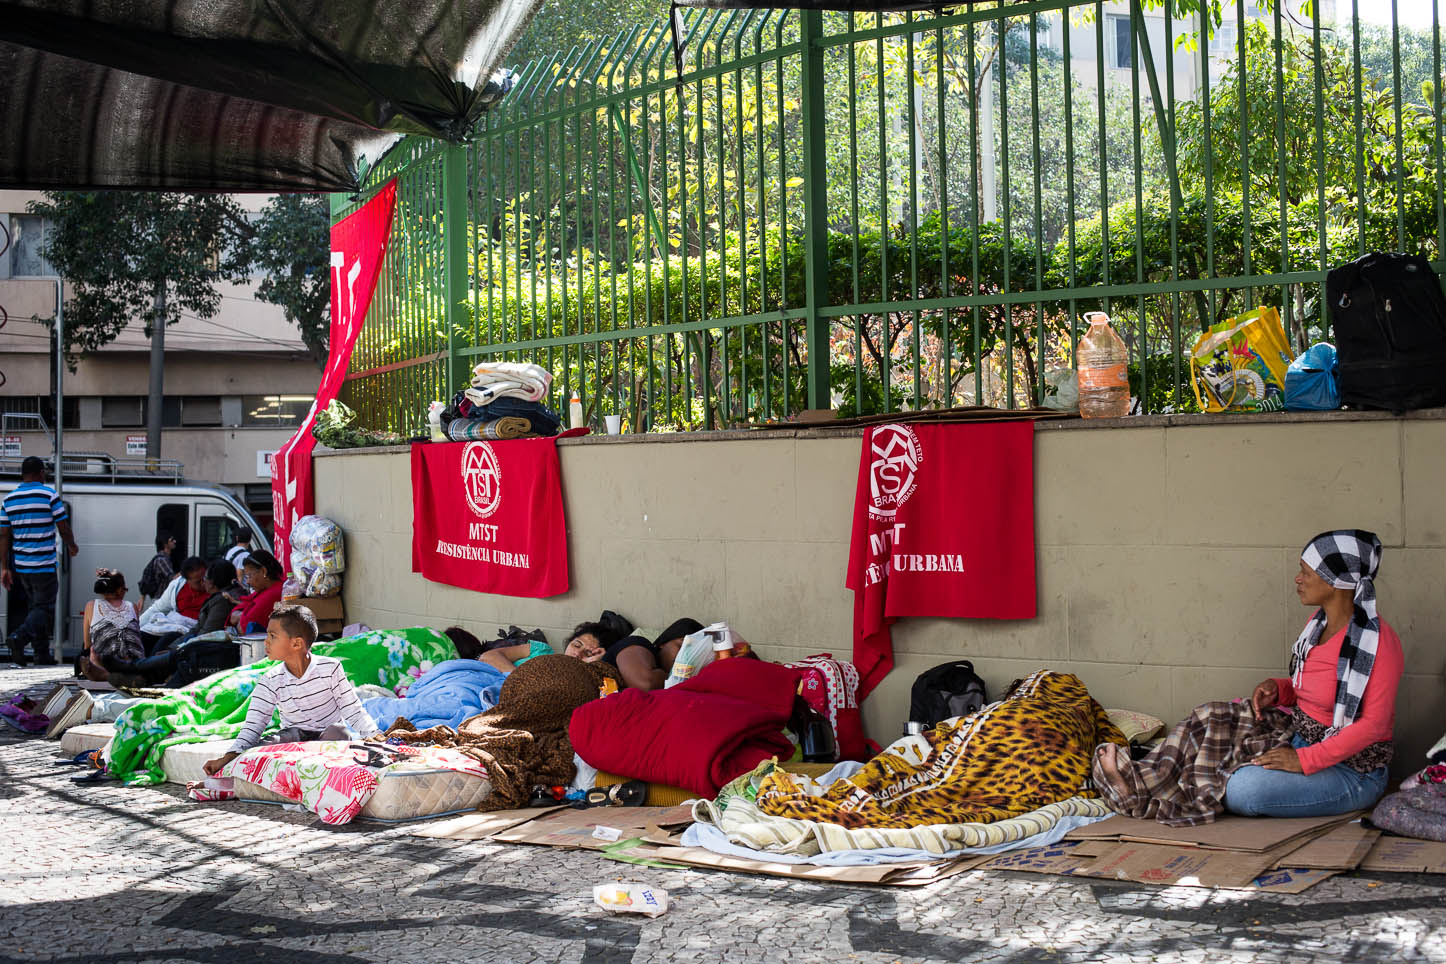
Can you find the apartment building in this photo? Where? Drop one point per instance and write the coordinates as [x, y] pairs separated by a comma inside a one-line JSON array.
[[236, 384]]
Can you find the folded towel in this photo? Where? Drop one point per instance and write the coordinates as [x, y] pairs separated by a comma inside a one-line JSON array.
[[474, 430], [492, 380]]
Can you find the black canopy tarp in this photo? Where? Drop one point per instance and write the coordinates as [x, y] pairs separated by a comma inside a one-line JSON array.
[[238, 95]]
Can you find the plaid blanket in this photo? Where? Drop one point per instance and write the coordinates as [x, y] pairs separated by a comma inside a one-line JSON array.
[[1182, 782]]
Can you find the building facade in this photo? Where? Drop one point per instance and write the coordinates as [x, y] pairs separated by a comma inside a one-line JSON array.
[[236, 384]]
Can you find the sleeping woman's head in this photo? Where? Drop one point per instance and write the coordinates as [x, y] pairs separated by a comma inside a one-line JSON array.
[[588, 642], [468, 646], [671, 639]]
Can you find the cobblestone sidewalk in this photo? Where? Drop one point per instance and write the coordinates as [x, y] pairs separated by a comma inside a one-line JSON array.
[[105, 873]]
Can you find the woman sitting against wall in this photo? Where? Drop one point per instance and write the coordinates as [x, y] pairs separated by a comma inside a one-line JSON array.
[[264, 575], [1315, 743]]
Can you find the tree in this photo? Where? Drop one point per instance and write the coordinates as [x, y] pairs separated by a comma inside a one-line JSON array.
[[290, 243], [130, 255]]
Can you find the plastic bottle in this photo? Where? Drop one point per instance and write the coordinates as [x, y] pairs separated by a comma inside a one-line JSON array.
[[434, 421], [1104, 383], [574, 412]]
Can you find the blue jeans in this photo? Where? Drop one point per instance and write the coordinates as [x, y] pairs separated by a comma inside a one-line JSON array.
[[40, 592], [1255, 791]]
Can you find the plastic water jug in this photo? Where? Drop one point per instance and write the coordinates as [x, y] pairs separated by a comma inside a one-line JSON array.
[[1104, 383]]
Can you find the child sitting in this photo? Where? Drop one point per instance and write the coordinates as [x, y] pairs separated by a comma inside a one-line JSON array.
[[312, 692]]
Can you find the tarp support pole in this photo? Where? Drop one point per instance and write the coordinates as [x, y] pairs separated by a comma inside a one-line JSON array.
[[455, 238], [815, 208]]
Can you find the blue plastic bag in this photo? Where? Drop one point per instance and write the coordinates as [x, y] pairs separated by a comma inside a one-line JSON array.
[[1311, 382]]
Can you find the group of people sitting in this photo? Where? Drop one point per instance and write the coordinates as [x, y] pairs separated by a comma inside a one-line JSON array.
[[131, 646]]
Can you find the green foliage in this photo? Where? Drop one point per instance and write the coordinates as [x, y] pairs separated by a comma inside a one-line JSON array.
[[333, 428], [128, 255], [290, 243]]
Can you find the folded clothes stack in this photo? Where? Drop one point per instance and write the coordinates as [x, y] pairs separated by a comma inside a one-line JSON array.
[[504, 402]]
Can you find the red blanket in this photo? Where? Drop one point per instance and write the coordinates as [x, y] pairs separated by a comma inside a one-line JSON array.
[[698, 735], [943, 526]]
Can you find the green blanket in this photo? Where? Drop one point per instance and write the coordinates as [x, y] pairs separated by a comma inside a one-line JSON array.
[[215, 707]]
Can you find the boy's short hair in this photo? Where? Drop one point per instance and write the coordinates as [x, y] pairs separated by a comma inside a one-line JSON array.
[[296, 621]]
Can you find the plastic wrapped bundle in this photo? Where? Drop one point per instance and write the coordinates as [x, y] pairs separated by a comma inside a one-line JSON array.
[[317, 556]]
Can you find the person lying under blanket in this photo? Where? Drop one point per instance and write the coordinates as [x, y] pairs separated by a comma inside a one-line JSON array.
[[503, 655], [1312, 744], [1031, 749]]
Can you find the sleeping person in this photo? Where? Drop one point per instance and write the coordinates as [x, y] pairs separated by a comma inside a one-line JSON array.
[[645, 665]]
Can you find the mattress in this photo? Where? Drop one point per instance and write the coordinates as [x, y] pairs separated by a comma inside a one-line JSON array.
[[403, 793], [182, 763], [86, 736]]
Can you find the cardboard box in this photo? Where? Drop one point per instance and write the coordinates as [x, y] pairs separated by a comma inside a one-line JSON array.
[[1406, 855], [326, 609], [1227, 832], [580, 828], [1342, 848]]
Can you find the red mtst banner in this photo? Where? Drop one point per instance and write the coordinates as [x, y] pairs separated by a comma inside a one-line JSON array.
[[358, 245], [943, 526], [488, 516]]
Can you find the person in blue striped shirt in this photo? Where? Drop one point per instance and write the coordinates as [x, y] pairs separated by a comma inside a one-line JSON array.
[[30, 517]]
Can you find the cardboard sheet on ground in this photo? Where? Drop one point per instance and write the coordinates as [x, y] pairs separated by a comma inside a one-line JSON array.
[[1169, 866], [480, 826], [1340, 848], [1406, 855], [890, 875], [1248, 834], [580, 828]]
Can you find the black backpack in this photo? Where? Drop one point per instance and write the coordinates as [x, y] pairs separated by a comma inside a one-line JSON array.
[[1390, 329], [200, 658], [946, 691]]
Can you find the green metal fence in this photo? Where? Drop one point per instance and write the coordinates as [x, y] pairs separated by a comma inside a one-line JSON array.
[[872, 213]]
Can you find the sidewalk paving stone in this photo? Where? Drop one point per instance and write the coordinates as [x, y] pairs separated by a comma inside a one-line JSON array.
[[113, 874]]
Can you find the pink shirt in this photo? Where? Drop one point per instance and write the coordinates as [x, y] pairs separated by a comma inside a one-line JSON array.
[[1317, 697]]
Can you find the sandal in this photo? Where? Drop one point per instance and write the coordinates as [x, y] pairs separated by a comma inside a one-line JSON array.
[[631, 793]]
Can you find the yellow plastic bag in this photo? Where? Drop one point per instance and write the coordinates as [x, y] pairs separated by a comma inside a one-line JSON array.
[[1239, 365]]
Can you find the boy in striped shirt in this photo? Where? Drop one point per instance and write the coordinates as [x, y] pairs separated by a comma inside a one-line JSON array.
[[312, 692], [30, 516]]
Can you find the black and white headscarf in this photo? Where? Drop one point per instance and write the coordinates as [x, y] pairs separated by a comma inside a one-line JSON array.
[[1347, 559]]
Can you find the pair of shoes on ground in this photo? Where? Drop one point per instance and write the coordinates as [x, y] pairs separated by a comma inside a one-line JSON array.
[[75, 711], [631, 793]]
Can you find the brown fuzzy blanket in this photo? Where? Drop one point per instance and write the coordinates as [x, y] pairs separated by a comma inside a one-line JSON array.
[[522, 741]]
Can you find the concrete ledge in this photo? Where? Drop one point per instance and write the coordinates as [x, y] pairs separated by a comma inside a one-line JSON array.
[[1234, 420]]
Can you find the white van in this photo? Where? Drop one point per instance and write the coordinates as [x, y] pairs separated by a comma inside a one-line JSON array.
[[115, 525]]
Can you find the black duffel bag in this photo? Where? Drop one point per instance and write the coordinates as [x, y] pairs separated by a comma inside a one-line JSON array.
[[201, 657], [1390, 329]]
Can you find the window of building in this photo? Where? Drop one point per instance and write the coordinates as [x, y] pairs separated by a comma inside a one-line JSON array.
[[1222, 38], [122, 411], [42, 405], [1124, 42], [279, 411], [27, 238], [201, 411]]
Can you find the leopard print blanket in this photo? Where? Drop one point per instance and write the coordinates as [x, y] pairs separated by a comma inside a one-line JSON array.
[[1029, 750]]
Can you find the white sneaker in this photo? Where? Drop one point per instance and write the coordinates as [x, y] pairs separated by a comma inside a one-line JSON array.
[[76, 712], [56, 700]]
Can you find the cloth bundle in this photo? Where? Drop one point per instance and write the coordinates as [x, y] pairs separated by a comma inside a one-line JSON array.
[[444, 695], [522, 741], [507, 416], [697, 735], [493, 380]]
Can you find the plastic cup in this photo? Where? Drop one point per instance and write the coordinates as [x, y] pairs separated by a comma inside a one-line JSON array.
[[614, 423]]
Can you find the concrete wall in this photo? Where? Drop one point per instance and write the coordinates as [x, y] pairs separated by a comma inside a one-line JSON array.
[[1166, 551]]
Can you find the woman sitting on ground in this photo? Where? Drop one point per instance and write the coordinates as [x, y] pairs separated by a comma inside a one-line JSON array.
[[504, 655], [174, 614], [645, 665], [263, 575], [160, 665], [110, 629], [1314, 744]]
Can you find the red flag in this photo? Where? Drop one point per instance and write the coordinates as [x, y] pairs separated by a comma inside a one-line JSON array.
[[943, 526], [358, 245], [488, 516]]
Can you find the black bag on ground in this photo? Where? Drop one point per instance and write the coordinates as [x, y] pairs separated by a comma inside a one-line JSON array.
[[200, 658], [1390, 329], [946, 691]]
